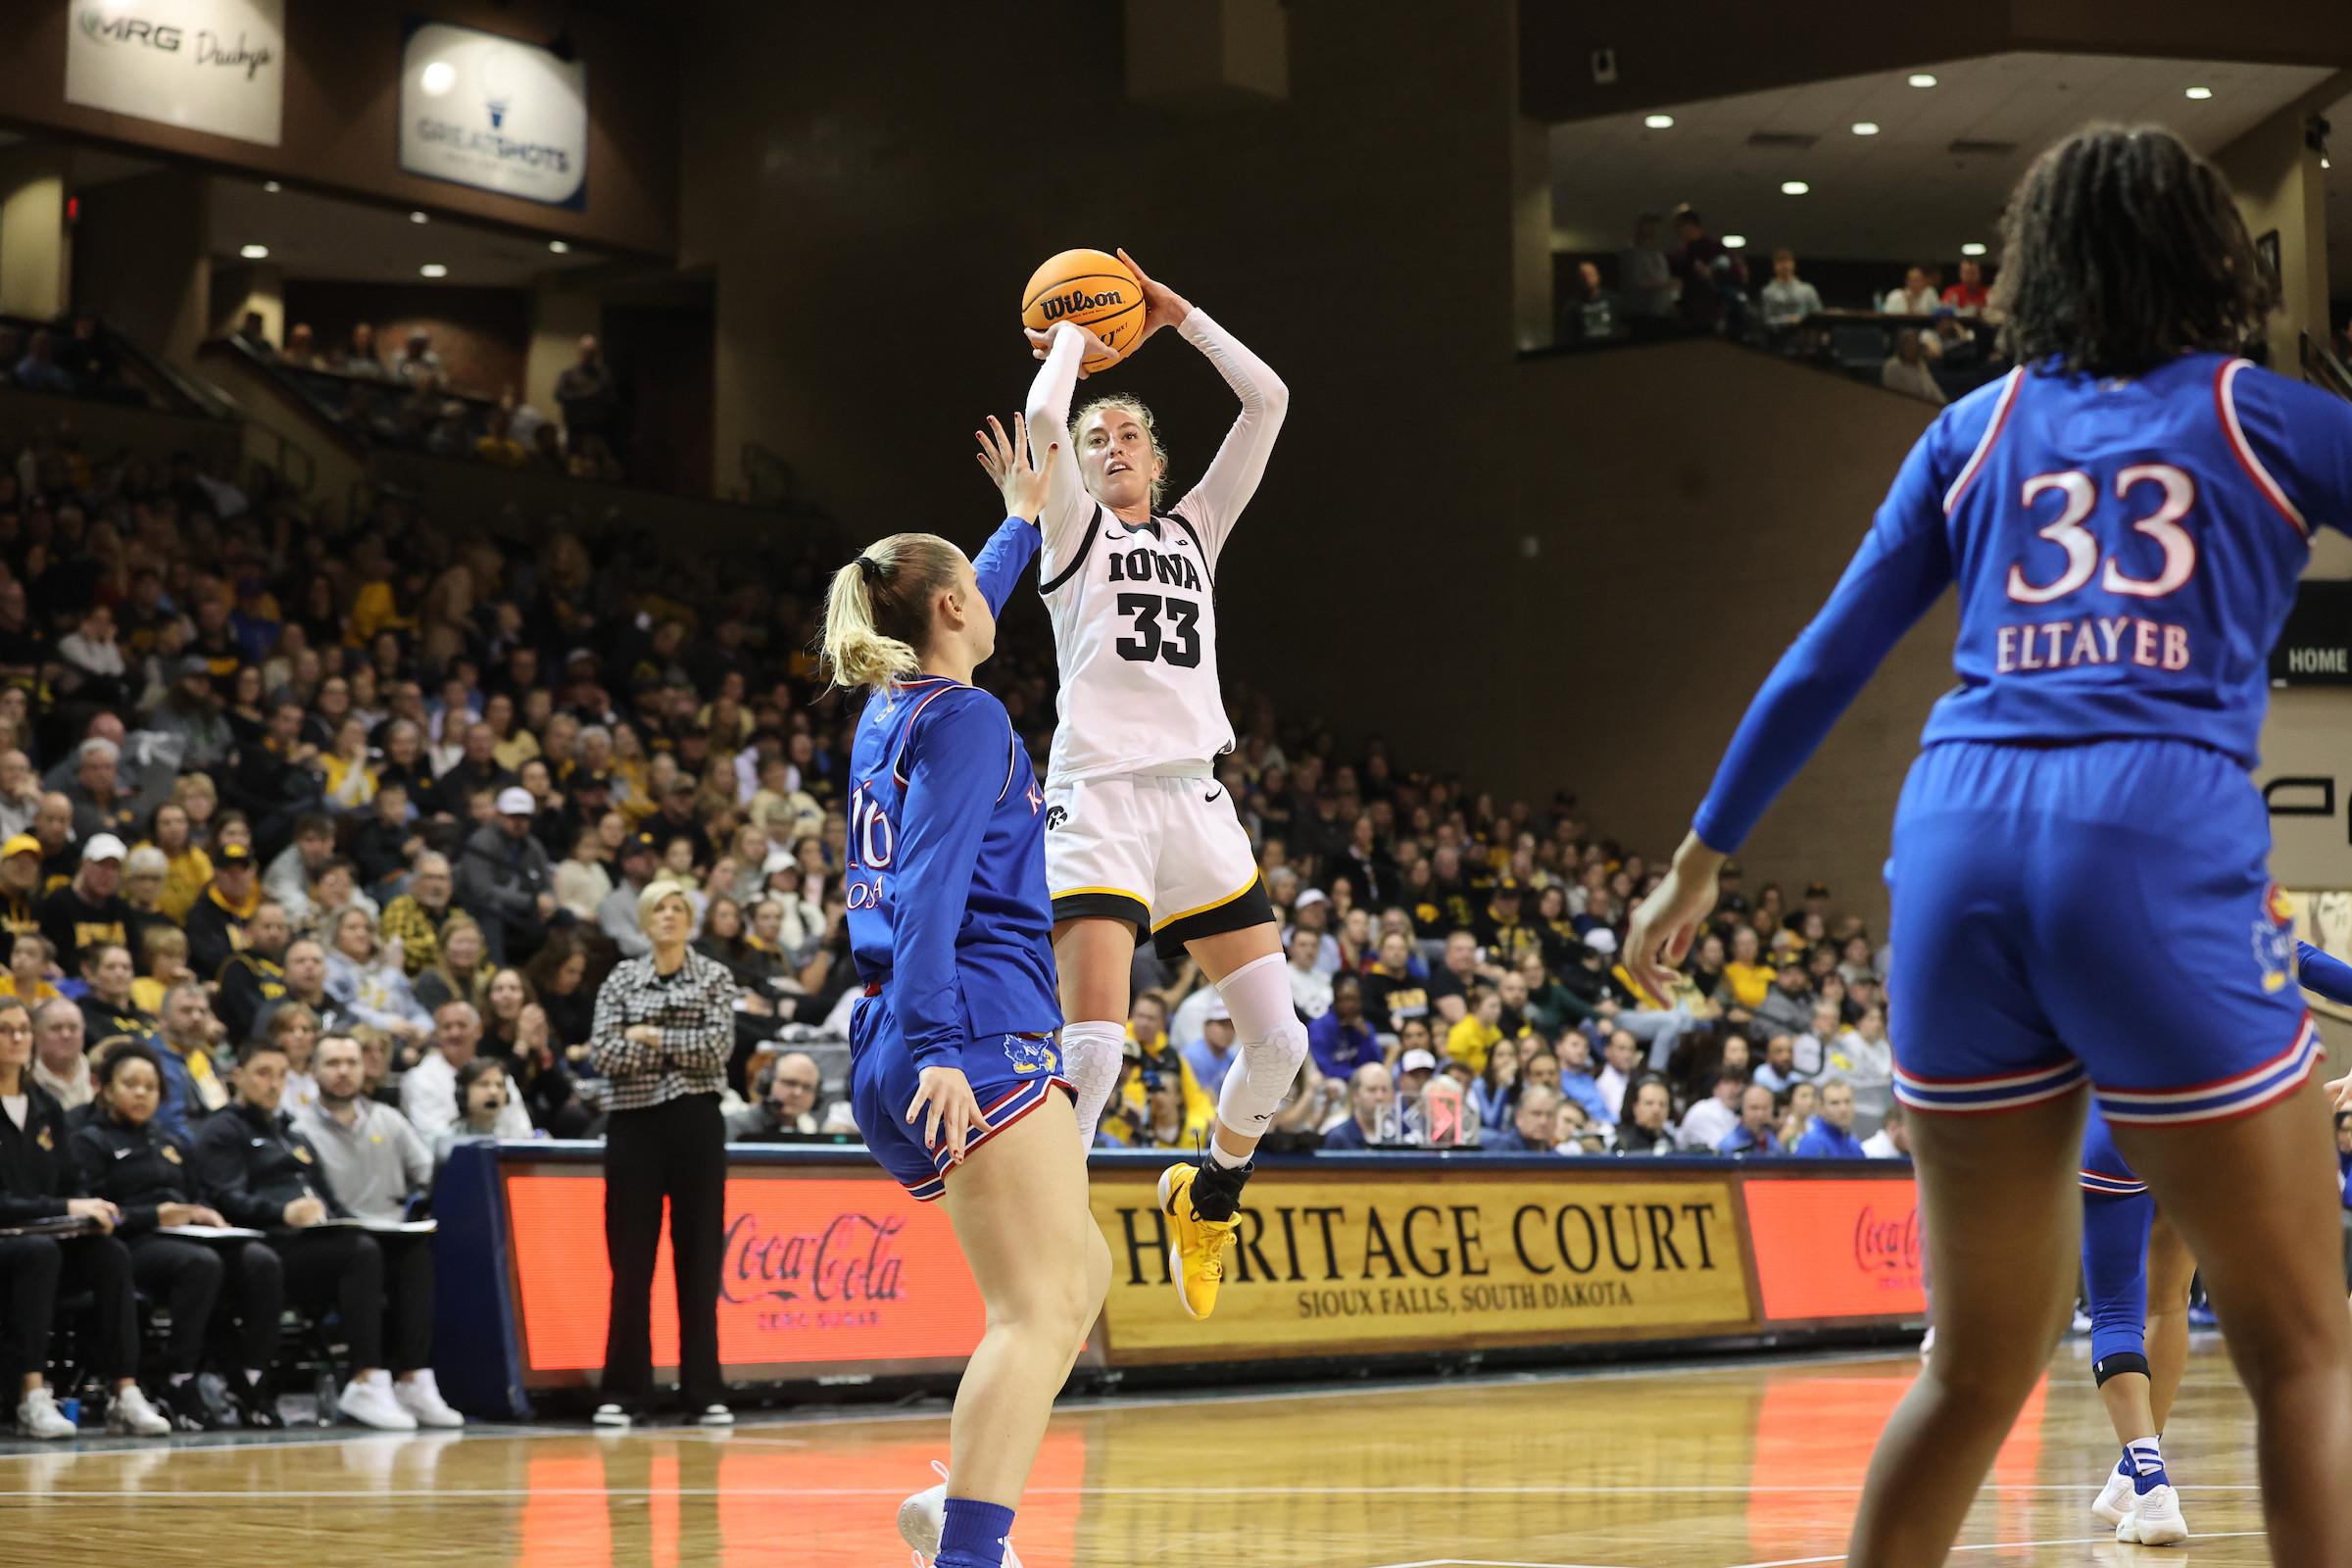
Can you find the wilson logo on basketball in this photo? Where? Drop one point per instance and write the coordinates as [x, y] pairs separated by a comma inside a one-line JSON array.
[[1077, 300], [1885, 1245]]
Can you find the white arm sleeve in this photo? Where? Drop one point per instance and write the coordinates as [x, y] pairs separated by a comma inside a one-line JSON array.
[[1215, 504], [1067, 505]]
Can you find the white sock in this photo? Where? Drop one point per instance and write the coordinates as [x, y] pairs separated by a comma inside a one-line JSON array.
[[1273, 1044], [1218, 1152], [1091, 1053]]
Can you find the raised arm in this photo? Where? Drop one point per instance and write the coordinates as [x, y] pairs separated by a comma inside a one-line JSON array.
[[1067, 506], [1023, 485], [1214, 504]]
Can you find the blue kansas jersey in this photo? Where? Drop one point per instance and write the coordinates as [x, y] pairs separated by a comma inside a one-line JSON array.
[[948, 910], [2126, 555]]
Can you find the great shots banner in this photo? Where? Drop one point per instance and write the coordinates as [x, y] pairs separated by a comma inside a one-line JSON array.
[[495, 113]]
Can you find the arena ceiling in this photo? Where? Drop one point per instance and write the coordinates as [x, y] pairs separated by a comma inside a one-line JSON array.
[[1933, 175]]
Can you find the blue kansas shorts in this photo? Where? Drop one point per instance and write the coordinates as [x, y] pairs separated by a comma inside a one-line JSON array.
[[1010, 1075], [2101, 911]]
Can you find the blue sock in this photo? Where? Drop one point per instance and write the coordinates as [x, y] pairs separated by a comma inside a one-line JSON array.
[[2147, 1464], [2123, 1467], [973, 1535]]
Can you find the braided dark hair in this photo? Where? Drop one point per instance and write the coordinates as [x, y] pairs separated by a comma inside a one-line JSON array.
[[2122, 250]]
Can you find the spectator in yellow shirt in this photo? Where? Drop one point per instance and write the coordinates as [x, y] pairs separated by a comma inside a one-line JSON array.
[[1750, 977], [1148, 1031], [29, 963], [1469, 1041]]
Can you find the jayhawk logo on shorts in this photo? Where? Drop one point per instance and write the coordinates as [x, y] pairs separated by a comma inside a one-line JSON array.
[[2274, 939], [1030, 1055]]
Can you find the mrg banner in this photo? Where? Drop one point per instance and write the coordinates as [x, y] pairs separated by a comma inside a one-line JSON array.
[[216, 65], [1373, 1260]]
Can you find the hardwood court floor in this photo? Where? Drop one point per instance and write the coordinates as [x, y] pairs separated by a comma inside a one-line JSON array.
[[1751, 1464]]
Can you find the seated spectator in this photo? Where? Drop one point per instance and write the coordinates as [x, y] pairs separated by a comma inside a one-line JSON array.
[[582, 881], [294, 1028], [279, 779], [1371, 1104], [1622, 1059], [1496, 1091], [1475, 1035], [498, 444], [1797, 1107], [149, 1175], [1550, 1007], [1788, 299], [90, 909], [1829, 1135], [483, 1097], [253, 976], [460, 970], [535, 1071], [1706, 1124], [1778, 1070], [1342, 1040], [38, 371], [616, 917], [1533, 1129], [1395, 986], [1593, 311], [1568, 1067], [366, 980], [387, 843], [1211, 1057], [1946, 343], [287, 883], [1310, 987], [503, 880], [1906, 369], [428, 1090], [1863, 1057], [1969, 297], [1574, 1132], [786, 1104], [58, 1063], [1892, 1140], [31, 959], [1787, 1008], [301, 352], [1755, 1134], [557, 972], [217, 924], [1916, 297], [187, 869], [418, 364], [110, 1007], [259, 1170], [1645, 1130], [39, 1179]]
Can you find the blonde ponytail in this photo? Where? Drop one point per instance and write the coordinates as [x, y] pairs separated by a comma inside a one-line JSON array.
[[878, 611]]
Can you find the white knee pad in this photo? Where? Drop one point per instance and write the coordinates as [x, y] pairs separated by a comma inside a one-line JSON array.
[[1272, 1042], [1089, 1060]]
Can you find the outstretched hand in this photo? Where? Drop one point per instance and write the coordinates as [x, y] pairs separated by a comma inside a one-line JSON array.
[[1041, 344], [1162, 305], [953, 1110], [1006, 461]]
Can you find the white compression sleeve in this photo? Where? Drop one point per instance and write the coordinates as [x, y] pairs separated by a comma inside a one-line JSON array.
[[1272, 1040], [1091, 1053], [1067, 505]]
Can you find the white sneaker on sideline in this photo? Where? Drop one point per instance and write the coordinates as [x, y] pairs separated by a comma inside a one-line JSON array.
[[611, 1416], [2113, 1504], [421, 1396], [717, 1415], [128, 1414], [2155, 1519], [1926, 1343], [924, 1516], [371, 1402], [38, 1416]]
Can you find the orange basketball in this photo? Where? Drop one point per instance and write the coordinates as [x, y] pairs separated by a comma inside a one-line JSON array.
[[1092, 289]]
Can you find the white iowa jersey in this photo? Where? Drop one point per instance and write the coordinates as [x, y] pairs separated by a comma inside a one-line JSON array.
[[1135, 624]]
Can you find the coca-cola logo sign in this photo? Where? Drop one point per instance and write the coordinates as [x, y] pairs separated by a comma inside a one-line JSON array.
[[846, 1260], [1884, 1244]]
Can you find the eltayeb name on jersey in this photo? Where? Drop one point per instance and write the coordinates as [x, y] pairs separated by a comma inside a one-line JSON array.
[[2093, 640]]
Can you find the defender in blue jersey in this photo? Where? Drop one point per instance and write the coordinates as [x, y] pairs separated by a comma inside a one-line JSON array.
[[2077, 876], [955, 1074]]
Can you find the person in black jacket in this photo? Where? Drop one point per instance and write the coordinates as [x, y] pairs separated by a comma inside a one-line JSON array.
[[277, 778], [40, 1182], [253, 977], [216, 921], [259, 1171], [149, 1175]]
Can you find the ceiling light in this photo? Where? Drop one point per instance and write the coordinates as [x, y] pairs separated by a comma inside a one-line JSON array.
[[419, 217], [271, 185], [2200, 93], [1921, 79], [559, 247], [434, 270], [1794, 187], [254, 253], [1735, 242], [1973, 248], [1658, 121], [1866, 128]]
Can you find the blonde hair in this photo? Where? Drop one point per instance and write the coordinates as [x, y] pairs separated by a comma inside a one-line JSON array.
[[662, 887], [878, 612], [1142, 416]]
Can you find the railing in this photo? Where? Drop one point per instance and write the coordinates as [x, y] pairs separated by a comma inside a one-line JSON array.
[[2322, 369], [1853, 343], [124, 373]]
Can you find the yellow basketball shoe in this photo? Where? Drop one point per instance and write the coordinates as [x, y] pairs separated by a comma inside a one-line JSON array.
[[1196, 1255]]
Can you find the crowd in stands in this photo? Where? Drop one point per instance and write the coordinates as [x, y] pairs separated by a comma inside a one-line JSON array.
[[1931, 341], [73, 356], [405, 403]]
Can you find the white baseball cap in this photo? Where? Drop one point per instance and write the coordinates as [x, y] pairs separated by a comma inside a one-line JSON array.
[[1311, 896], [1218, 1012], [103, 847], [516, 800], [1417, 1060], [1600, 939]]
